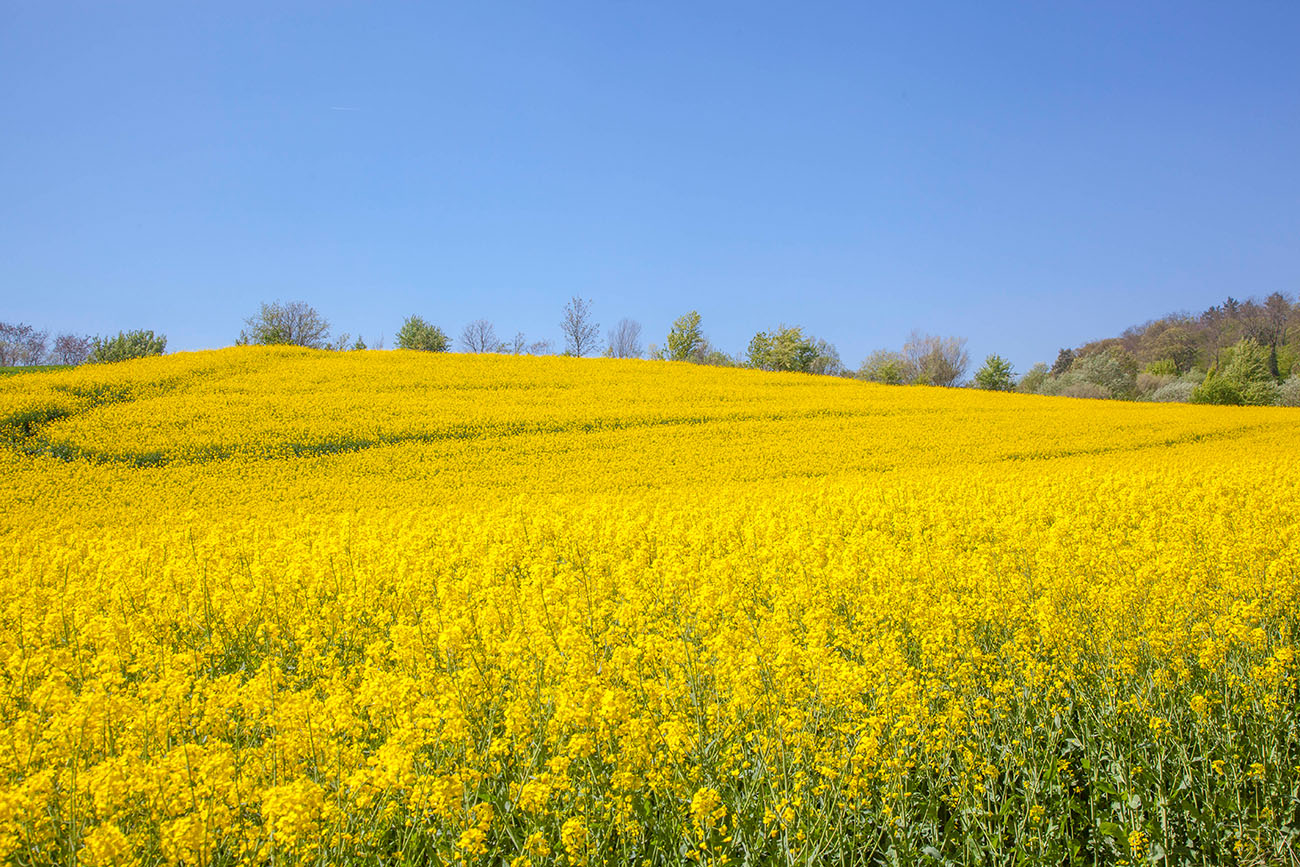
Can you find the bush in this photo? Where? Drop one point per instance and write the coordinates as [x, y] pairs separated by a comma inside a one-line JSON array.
[[886, 367], [1288, 393], [417, 334], [1218, 389], [1177, 391], [127, 345], [1243, 378], [1149, 383], [718, 358], [1086, 389], [1260, 393], [1246, 362], [1113, 369], [995, 375], [784, 349], [1034, 380]]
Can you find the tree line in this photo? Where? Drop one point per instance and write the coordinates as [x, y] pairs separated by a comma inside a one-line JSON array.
[[1237, 352], [22, 345]]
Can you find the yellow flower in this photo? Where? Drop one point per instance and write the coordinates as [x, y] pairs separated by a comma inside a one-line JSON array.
[[106, 846], [707, 809], [573, 836]]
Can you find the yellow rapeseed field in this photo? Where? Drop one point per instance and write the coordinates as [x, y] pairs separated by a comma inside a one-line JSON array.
[[292, 607]]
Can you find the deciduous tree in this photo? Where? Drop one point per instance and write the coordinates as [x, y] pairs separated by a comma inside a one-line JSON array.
[[480, 336], [625, 340], [21, 344], [936, 360], [418, 334], [685, 339], [995, 375], [294, 323], [72, 348], [581, 333]]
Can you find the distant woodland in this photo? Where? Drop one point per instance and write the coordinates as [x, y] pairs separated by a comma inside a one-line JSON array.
[[1237, 352]]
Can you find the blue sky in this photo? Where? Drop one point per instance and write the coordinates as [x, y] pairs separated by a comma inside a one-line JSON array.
[[1026, 175]]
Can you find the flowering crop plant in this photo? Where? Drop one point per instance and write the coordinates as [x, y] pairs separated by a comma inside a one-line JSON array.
[[280, 606]]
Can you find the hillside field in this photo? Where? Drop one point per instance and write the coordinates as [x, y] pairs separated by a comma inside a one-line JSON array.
[[280, 606]]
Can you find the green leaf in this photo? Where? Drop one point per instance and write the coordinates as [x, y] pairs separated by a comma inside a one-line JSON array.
[[1114, 830]]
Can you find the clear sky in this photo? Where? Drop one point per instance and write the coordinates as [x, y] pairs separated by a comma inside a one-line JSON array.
[[1027, 175]]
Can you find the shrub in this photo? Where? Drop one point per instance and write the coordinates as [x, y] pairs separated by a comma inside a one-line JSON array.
[[995, 375], [1218, 389], [1085, 389], [417, 334], [1113, 369], [1260, 393], [1034, 380], [1148, 383], [1177, 391], [127, 345], [785, 349], [886, 367], [1288, 393]]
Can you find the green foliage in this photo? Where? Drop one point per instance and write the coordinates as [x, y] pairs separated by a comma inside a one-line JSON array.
[[1176, 345], [1149, 383], [885, 367], [717, 358], [1261, 393], [827, 360], [1246, 362], [785, 349], [995, 375], [1113, 370], [1075, 387], [1286, 360], [1178, 391], [294, 323], [1033, 380], [1243, 378], [418, 334], [1064, 360], [686, 340], [1288, 393], [127, 345], [1218, 389], [1163, 367]]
